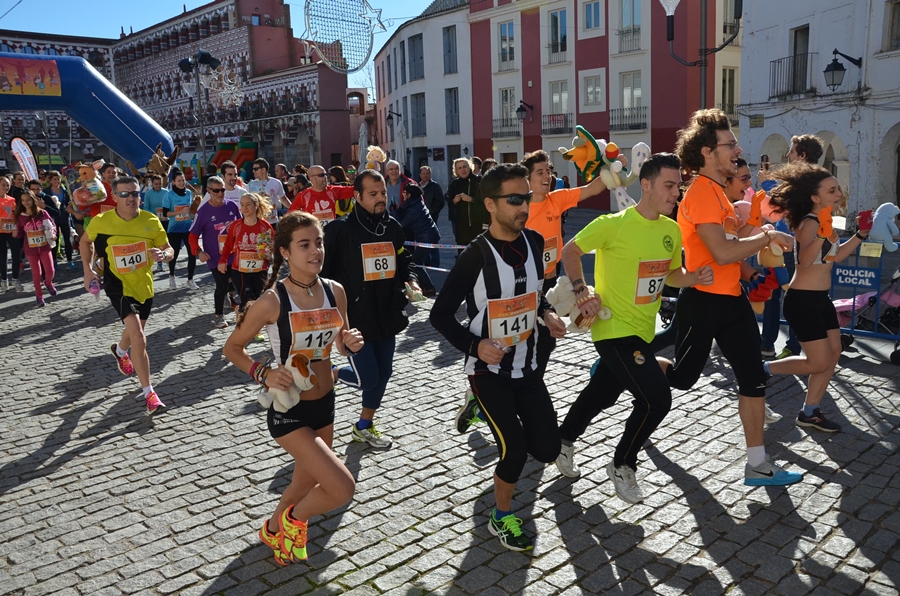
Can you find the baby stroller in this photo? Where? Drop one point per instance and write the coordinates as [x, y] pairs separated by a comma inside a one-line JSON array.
[[879, 314]]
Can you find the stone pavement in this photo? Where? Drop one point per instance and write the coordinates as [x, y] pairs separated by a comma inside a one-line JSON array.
[[96, 499]]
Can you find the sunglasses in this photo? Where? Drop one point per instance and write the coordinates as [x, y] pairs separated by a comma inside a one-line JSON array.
[[317, 175], [515, 199], [216, 190], [124, 194], [254, 169]]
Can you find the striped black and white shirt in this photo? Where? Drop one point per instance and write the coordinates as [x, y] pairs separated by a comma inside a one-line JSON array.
[[507, 275]]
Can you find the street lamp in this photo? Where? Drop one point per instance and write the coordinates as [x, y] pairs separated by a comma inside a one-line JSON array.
[[521, 111], [703, 62], [834, 72], [390, 118], [189, 65]]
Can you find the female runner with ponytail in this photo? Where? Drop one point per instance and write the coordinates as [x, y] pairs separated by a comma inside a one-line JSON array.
[[304, 314]]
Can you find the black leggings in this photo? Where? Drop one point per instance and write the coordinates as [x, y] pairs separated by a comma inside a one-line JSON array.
[[223, 284], [521, 416], [65, 233], [627, 363], [730, 320], [15, 247], [176, 239], [546, 342], [248, 285]]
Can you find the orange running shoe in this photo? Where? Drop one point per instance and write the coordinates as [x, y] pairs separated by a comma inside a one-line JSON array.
[[292, 537], [273, 542]]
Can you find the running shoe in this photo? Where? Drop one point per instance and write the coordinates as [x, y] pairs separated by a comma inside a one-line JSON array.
[[772, 416], [565, 463], [72, 265], [260, 337], [372, 436], [467, 416], [19, 287], [273, 542], [171, 283], [123, 363], [159, 267], [4, 286], [769, 474], [292, 537], [624, 479], [192, 285], [154, 404], [40, 302], [509, 530], [234, 301], [785, 353], [219, 322], [817, 421], [767, 352], [52, 291]]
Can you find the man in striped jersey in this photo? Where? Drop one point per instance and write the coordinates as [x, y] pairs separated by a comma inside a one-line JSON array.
[[499, 276]]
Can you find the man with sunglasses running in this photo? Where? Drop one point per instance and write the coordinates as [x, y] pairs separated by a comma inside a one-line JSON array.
[[129, 239], [320, 199], [499, 277]]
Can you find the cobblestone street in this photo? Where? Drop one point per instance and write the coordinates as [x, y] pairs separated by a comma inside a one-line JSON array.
[[97, 499]]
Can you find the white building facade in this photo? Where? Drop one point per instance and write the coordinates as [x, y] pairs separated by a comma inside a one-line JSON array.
[[424, 84], [788, 47]]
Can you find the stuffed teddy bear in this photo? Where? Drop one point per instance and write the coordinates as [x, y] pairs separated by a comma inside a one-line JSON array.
[[775, 276], [160, 164], [304, 380], [883, 226], [614, 174], [562, 298], [91, 190], [375, 156]]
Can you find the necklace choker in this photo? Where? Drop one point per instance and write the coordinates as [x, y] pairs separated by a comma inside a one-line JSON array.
[[308, 287]]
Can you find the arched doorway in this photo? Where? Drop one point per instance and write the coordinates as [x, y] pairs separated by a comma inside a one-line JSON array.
[[774, 150]]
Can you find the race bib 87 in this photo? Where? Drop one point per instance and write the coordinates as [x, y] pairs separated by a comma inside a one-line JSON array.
[[651, 278]]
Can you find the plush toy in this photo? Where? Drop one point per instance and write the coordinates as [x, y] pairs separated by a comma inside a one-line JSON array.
[[883, 226], [91, 190], [160, 164], [562, 297], [585, 153], [775, 276], [375, 156], [614, 174], [304, 380]]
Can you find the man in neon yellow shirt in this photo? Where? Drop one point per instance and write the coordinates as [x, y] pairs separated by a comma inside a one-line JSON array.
[[638, 251], [128, 239]]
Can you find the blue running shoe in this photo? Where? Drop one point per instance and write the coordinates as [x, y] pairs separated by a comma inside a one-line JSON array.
[[769, 474]]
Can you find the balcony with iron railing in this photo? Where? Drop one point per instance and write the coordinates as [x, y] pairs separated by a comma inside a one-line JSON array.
[[792, 75], [629, 39], [728, 29], [505, 128], [506, 61], [628, 118], [557, 124], [731, 111], [556, 53]]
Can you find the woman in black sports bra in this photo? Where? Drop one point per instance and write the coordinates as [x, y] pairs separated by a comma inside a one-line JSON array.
[[305, 316], [806, 194]]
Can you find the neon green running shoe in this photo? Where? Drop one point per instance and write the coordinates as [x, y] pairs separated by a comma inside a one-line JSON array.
[[292, 537], [509, 530], [273, 541], [467, 415]]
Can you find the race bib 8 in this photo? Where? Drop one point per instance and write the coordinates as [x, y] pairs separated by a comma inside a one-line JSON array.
[[249, 262], [379, 261], [314, 332], [128, 258], [551, 255], [182, 212], [36, 238], [651, 278], [512, 319]]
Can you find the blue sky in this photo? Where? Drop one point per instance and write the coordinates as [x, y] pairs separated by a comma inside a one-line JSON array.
[[107, 22]]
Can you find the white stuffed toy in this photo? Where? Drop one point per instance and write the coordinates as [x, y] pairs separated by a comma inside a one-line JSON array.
[[612, 168], [883, 226], [562, 298], [304, 380]]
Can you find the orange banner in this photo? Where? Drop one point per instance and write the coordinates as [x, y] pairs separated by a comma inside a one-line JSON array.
[[21, 76]]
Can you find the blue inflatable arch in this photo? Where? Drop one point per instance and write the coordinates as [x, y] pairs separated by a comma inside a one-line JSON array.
[[86, 96]]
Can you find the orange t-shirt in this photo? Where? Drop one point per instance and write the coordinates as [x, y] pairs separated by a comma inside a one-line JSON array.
[[546, 218], [705, 203]]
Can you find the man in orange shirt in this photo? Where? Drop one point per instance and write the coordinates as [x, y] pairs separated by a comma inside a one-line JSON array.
[[721, 311], [545, 217]]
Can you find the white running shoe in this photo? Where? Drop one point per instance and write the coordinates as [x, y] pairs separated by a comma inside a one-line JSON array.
[[4, 286], [192, 285], [171, 282], [372, 436], [626, 483], [19, 287], [565, 463], [772, 416]]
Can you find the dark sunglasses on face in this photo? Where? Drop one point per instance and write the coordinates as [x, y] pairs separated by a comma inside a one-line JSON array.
[[216, 190], [254, 169], [124, 194], [317, 175], [516, 199]]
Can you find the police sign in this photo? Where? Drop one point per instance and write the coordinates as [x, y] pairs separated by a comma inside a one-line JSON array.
[[855, 277]]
